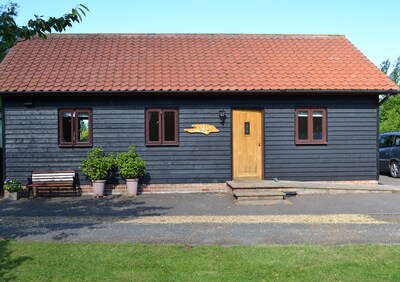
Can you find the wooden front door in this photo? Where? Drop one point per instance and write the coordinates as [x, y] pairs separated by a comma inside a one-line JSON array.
[[247, 144]]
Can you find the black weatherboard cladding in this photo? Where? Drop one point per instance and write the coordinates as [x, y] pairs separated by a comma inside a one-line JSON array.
[[31, 136]]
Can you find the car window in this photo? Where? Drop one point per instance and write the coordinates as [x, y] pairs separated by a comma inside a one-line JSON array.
[[384, 141], [397, 141]]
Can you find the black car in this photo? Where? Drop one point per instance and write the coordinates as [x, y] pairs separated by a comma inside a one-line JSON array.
[[389, 153]]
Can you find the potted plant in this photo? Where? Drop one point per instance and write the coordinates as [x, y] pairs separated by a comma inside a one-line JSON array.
[[13, 188], [131, 167], [97, 167]]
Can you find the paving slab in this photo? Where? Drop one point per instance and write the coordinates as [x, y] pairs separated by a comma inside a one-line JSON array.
[[351, 188]]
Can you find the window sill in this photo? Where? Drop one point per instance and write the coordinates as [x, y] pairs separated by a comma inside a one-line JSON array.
[[75, 146], [162, 145], [311, 143]]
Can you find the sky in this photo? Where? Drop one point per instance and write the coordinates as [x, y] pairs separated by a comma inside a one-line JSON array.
[[371, 25]]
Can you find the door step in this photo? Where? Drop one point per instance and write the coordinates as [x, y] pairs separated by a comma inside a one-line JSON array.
[[248, 193], [263, 202], [258, 193]]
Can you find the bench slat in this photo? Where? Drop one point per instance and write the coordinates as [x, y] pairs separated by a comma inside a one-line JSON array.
[[69, 173], [52, 175], [52, 171], [38, 179], [50, 184]]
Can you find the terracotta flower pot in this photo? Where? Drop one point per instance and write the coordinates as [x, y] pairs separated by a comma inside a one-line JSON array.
[[132, 185], [98, 188]]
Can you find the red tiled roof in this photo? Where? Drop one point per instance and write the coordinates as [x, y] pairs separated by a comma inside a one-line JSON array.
[[189, 62]]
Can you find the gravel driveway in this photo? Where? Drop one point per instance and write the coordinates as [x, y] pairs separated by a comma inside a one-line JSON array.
[[204, 219]]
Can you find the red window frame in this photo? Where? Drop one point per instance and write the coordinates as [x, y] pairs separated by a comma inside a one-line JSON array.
[[161, 127], [310, 139], [74, 128]]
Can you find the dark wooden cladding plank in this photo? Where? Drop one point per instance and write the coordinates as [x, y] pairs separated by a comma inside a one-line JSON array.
[[323, 148], [351, 137], [17, 113], [119, 120], [187, 173], [338, 159], [351, 128], [290, 144], [112, 134], [36, 123], [32, 118], [323, 154], [38, 132], [355, 120], [325, 166], [325, 161], [304, 175], [126, 127], [208, 159]]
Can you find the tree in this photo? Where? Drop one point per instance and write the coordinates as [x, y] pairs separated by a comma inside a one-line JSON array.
[[389, 110], [11, 33]]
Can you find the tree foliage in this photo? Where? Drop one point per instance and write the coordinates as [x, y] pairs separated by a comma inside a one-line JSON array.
[[10, 32], [389, 118]]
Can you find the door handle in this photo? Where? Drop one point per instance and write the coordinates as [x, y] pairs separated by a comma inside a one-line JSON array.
[[259, 144]]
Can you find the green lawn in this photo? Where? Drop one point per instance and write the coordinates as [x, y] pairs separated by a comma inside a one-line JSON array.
[[133, 262]]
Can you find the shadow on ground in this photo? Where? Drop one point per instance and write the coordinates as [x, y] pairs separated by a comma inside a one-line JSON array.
[[61, 216], [109, 206]]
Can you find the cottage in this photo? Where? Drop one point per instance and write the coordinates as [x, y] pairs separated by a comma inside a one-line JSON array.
[[201, 109]]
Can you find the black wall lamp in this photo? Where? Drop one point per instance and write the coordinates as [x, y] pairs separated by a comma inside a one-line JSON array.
[[222, 116]]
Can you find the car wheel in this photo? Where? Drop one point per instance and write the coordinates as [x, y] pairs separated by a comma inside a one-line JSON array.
[[394, 169]]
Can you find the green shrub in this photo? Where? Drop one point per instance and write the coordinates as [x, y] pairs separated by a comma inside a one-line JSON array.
[[130, 164], [12, 185], [97, 165]]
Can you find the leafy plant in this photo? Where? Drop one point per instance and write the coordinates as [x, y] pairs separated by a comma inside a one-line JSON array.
[[130, 164], [12, 185], [97, 165]]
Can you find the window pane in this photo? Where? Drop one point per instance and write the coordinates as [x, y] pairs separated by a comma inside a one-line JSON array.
[[169, 126], [83, 127], [397, 141], [302, 122], [317, 125], [246, 128], [154, 124], [385, 142], [66, 127]]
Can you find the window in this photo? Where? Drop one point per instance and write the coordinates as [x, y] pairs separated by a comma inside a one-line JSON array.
[[385, 141], [162, 127], [310, 126], [397, 142], [75, 127]]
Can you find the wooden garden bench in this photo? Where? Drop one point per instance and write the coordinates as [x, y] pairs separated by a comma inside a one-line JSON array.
[[52, 180]]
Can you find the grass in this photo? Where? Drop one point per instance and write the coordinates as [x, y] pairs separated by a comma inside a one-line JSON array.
[[20, 261]]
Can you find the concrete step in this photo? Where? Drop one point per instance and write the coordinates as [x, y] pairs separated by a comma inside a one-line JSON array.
[[260, 198], [251, 184], [257, 192], [263, 202]]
